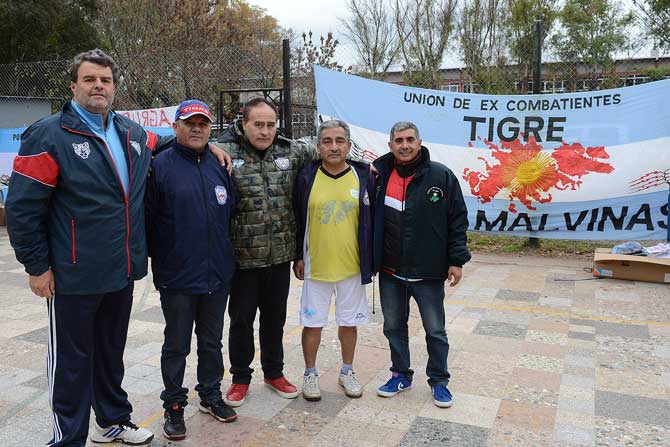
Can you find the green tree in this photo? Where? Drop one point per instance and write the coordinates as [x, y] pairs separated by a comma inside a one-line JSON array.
[[657, 74], [520, 27], [38, 30], [483, 42], [655, 17], [424, 29], [592, 33], [172, 49]]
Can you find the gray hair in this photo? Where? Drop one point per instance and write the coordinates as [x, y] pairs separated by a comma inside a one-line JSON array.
[[332, 124], [97, 57], [404, 125]]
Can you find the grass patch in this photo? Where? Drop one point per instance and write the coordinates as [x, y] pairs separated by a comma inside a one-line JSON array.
[[487, 243]]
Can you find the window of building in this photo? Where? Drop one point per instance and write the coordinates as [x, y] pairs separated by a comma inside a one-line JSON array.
[[553, 86], [582, 85], [450, 88], [635, 80]]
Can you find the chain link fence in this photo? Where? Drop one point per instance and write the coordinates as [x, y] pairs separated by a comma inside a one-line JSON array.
[[514, 79], [158, 79]]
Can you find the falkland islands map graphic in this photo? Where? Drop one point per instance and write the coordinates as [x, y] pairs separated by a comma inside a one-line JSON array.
[[527, 172]]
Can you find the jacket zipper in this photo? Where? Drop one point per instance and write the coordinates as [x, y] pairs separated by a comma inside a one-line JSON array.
[[267, 192], [74, 243], [209, 231], [401, 267], [125, 195]]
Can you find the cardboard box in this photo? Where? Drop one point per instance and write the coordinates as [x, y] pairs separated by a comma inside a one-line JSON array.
[[634, 268]]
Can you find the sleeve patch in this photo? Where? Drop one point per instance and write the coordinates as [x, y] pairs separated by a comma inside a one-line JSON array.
[[152, 140], [40, 167]]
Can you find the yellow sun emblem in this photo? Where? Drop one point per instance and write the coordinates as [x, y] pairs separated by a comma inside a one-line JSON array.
[[529, 172]]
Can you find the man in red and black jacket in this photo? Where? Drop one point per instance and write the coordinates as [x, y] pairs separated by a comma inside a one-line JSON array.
[[419, 242], [75, 218]]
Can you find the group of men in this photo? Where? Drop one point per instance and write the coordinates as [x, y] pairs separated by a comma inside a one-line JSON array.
[[91, 198]]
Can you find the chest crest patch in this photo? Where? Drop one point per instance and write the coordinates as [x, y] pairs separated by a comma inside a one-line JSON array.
[[135, 145], [434, 194], [82, 149], [238, 162], [283, 163], [221, 194]]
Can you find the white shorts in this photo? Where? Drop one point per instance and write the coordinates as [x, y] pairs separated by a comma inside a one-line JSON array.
[[351, 304]]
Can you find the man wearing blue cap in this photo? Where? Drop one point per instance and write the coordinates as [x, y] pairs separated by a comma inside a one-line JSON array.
[[189, 202]]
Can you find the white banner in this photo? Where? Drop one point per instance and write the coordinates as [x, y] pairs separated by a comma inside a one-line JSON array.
[[159, 117], [585, 165]]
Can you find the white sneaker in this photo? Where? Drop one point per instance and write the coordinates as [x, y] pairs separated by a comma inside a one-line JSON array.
[[126, 433], [349, 382], [310, 387]]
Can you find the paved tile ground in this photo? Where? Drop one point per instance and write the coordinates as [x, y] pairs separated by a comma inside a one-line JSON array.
[[541, 354]]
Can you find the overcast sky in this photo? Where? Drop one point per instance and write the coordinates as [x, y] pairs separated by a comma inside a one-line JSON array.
[[321, 16], [305, 15]]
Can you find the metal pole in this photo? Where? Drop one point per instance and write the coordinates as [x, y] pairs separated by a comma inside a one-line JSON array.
[[534, 242], [219, 118], [537, 76], [286, 104]]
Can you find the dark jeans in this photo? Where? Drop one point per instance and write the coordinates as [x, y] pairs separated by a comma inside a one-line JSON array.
[[265, 289], [87, 337], [429, 296], [181, 311]]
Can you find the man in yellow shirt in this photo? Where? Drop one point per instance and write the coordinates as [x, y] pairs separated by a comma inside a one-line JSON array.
[[334, 250]]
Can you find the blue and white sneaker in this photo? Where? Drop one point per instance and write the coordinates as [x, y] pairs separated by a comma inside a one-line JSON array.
[[442, 396], [125, 432], [396, 384]]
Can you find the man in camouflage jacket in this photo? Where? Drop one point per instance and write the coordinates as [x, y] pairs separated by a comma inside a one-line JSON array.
[[265, 165]]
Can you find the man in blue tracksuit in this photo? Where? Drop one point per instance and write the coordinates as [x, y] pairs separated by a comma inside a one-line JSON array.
[[189, 203], [75, 218]]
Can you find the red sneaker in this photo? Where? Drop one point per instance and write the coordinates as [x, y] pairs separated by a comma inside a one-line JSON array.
[[236, 394], [283, 387]]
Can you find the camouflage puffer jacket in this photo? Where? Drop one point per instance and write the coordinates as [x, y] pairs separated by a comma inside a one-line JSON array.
[[263, 228]]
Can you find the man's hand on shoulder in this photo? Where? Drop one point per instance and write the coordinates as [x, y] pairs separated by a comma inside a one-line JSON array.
[[454, 275], [43, 285], [223, 157]]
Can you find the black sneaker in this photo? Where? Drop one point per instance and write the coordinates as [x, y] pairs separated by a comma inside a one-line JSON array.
[[174, 427], [219, 410]]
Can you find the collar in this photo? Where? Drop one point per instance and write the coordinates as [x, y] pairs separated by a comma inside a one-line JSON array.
[[93, 120], [190, 154], [386, 163], [335, 176], [410, 168]]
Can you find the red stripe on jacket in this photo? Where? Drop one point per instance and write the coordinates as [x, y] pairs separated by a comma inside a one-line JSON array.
[[41, 167], [152, 140], [396, 190]]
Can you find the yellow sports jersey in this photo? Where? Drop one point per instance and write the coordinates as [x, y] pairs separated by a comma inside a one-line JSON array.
[[331, 249]]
